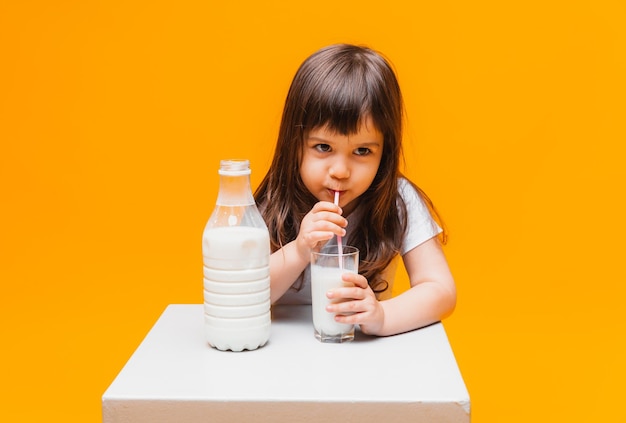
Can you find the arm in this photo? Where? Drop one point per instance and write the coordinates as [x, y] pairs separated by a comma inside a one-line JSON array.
[[319, 225], [432, 296], [286, 265]]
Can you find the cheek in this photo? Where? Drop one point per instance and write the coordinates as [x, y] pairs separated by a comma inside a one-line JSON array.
[[366, 180], [310, 166], [304, 168], [307, 172], [369, 171]]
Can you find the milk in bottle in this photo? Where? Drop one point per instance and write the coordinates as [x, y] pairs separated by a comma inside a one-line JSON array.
[[236, 250]]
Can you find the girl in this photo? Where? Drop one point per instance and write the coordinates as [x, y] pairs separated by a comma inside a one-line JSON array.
[[341, 130]]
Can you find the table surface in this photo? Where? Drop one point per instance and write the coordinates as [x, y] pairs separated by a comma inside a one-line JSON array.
[[174, 363]]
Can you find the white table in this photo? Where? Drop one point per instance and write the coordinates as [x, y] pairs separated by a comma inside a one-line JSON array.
[[174, 376]]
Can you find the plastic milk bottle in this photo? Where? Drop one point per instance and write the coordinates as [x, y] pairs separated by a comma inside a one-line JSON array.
[[236, 251]]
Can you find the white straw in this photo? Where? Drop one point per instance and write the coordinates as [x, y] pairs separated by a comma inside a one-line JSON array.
[[339, 243]]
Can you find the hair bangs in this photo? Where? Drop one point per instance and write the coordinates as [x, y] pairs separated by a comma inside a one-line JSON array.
[[340, 98], [340, 107]]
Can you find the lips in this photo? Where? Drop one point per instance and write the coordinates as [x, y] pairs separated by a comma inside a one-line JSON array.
[[332, 192]]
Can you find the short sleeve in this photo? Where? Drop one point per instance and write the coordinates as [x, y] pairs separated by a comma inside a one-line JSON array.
[[420, 225]]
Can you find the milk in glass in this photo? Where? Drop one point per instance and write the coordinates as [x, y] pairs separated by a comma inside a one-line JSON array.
[[326, 278]]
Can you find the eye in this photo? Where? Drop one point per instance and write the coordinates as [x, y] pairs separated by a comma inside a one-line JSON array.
[[322, 148], [362, 151]]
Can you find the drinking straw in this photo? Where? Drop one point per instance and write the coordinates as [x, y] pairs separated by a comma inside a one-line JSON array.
[[339, 243]]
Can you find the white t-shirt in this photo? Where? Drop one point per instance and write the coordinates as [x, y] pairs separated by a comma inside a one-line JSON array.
[[420, 228]]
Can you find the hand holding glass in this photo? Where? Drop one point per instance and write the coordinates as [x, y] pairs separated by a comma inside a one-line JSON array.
[[326, 270]]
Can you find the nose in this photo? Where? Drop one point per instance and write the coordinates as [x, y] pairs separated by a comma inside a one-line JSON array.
[[339, 169]]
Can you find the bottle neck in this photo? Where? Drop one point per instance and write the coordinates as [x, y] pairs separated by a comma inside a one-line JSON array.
[[235, 190]]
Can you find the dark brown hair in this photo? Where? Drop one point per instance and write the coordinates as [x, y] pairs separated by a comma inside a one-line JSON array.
[[339, 86]]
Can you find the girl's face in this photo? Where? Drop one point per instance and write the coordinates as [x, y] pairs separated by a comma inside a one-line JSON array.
[[348, 164]]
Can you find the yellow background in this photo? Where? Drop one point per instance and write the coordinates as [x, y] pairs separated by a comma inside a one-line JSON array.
[[114, 115]]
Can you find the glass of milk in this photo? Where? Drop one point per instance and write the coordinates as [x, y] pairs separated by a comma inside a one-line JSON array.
[[327, 266]]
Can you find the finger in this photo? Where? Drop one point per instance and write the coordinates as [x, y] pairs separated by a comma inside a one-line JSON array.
[[346, 308], [356, 279], [349, 319], [329, 226], [348, 294], [313, 239], [330, 220], [321, 206]]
